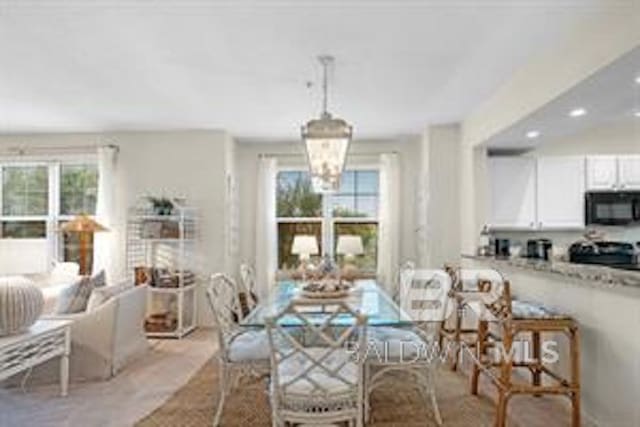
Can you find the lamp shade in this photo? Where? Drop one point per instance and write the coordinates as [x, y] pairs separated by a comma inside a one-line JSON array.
[[349, 244], [305, 244], [83, 224]]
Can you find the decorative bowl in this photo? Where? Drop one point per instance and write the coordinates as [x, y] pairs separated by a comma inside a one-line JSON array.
[[325, 289]]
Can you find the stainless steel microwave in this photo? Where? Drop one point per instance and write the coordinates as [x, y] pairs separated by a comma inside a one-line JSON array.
[[613, 208]]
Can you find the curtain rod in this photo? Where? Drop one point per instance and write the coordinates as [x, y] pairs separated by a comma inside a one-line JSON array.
[[25, 150], [304, 155]]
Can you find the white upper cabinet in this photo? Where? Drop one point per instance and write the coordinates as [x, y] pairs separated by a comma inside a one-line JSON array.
[[560, 192], [602, 173], [629, 172], [512, 183]]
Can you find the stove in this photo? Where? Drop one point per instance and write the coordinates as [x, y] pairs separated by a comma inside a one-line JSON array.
[[621, 255]]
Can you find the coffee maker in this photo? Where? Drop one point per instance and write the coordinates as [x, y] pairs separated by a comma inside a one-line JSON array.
[[539, 249], [502, 248]]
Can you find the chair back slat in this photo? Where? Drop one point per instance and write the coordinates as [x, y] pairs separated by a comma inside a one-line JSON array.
[[248, 285], [321, 359], [223, 301]]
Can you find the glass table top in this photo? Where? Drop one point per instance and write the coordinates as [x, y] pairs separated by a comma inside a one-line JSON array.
[[366, 296]]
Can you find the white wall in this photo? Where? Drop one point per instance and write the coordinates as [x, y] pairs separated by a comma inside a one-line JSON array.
[[438, 236], [365, 152], [23, 256], [190, 164], [612, 32]]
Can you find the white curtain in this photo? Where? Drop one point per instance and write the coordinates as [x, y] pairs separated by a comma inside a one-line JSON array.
[[388, 225], [105, 249], [266, 227]]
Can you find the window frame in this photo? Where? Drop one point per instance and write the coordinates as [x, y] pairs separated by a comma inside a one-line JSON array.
[[53, 217], [327, 220]]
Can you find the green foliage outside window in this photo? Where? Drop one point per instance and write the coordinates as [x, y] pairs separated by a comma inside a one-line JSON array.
[[25, 190], [78, 189], [357, 198], [295, 196]]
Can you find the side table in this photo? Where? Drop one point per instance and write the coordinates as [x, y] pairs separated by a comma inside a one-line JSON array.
[[43, 341]]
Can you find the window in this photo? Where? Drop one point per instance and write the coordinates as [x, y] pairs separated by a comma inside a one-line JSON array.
[[78, 195], [24, 230], [355, 212], [25, 191], [78, 189], [37, 198], [25, 202], [299, 211], [352, 210], [358, 195]]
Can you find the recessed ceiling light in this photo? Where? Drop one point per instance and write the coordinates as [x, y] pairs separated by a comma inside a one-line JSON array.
[[638, 79], [637, 113], [578, 112], [532, 134]]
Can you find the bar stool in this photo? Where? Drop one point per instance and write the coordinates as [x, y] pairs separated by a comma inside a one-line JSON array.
[[462, 296], [516, 318]]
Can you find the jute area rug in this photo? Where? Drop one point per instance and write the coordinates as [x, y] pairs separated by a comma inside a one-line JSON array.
[[397, 404]]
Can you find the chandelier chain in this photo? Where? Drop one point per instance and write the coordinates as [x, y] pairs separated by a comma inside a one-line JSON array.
[[325, 60]]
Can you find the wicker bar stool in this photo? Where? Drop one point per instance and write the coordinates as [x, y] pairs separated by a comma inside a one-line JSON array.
[[453, 331], [512, 320]]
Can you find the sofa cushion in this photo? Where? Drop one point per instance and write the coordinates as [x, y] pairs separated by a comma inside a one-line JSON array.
[[103, 294], [75, 298]]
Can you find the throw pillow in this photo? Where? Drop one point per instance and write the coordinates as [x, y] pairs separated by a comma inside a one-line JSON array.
[[99, 280], [74, 298], [101, 295]]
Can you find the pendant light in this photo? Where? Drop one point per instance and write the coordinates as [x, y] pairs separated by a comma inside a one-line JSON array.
[[326, 142]]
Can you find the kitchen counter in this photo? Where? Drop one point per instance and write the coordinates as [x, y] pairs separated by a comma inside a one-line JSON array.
[[592, 275]]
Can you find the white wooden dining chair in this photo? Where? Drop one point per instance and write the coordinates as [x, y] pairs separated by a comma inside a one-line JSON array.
[[407, 266], [424, 295], [241, 350], [322, 382], [248, 281]]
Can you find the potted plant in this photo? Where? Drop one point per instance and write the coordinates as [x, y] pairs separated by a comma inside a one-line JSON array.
[[161, 205]]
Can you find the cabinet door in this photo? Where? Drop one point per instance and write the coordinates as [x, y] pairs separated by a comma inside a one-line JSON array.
[[560, 189], [512, 192], [602, 173], [629, 168]]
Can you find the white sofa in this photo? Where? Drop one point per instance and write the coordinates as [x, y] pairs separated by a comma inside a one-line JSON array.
[[105, 338]]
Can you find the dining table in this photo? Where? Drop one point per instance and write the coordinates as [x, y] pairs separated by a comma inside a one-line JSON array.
[[368, 297]]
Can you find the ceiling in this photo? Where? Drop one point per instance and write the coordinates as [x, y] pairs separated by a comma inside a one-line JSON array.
[[609, 96], [243, 66]]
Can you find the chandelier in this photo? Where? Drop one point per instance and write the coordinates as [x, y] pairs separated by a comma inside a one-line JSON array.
[[326, 142]]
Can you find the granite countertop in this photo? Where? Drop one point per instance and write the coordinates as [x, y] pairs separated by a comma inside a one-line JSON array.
[[596, 275]]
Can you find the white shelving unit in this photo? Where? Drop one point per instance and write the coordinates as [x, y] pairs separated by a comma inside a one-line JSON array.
[[161, 249]]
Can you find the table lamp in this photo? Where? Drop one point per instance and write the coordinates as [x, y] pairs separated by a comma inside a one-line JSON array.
[[84, 226], [349, 245], [304, 245]]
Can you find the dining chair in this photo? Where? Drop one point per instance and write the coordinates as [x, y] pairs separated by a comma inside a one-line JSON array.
[[424, 295], [319, 380], [241, 350], [248, 287], [405, 267]]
